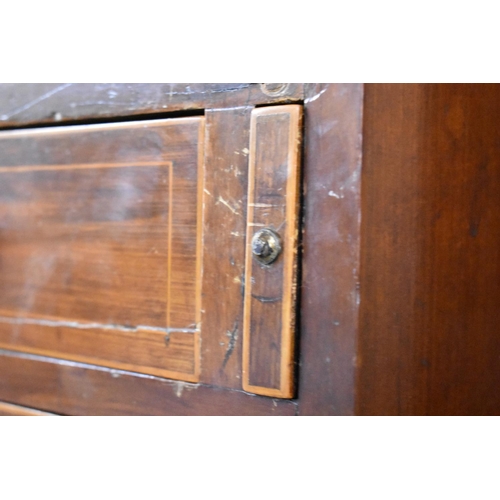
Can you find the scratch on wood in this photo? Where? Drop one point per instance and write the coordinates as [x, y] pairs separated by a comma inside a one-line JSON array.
[[225, 203], [264, 300], [262, 205], [233, 337], [314, 97], [180, 386], [209, 91], [36, 101], [86, 326], [335, 195]]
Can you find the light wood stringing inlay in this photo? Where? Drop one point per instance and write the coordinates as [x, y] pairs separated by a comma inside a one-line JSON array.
[[270, 292], [104, 268]]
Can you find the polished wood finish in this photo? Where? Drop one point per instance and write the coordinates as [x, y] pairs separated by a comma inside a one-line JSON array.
[[429, 338], [400, 250], [78, 389], [54, 103], [270, 290], [225, 193], [10, 410], [100, 252], [331, 245]]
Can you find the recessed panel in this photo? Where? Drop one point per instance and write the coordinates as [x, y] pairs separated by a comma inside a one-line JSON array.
[[100, 244]]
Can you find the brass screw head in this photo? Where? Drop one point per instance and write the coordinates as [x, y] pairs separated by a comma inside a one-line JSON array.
[[266, 246]]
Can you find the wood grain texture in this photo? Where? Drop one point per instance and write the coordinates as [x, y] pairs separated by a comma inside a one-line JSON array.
[[10, 410], [100, 244], [226, 173], [429, 338], [53, 103], [77, 389], [331, 246], [270, 291]]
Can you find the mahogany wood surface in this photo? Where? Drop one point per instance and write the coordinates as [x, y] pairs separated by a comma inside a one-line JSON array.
[[399, 283], [24, 104], [225, 202], [100, 251], [270, 290], [331, 232], [10, 410], [77, 389], [430, 285]]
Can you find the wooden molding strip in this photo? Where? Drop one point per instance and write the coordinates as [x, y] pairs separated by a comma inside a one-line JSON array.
[[270, 290], [71, 388], [24, 104], [10, 410]]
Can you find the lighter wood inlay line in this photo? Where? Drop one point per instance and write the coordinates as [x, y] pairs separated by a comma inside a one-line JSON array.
[[199, 245], [169, 242], [82, 166], [283, 383]]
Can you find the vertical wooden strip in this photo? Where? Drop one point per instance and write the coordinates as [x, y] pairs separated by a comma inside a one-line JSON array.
[[273, 202], [169, 242], [331, 249], [199, 247], [224, 200]]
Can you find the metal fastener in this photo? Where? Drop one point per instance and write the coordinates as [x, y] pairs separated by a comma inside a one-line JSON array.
[[274, 89], [266, 246]]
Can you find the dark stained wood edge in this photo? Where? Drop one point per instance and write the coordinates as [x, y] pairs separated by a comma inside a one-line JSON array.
[[331, 249], [51, 103], [10, 410], [78, 389]]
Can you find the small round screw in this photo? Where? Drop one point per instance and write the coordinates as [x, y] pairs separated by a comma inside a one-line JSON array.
[[266, 246], [274, 89]]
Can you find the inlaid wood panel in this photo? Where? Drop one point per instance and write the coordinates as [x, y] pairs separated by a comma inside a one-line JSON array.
[[270, 289], [100, 244]]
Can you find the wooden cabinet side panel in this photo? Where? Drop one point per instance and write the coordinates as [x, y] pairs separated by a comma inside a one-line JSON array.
[[429, 324]]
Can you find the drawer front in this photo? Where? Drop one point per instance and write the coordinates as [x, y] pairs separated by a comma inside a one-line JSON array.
[[100, 244]]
